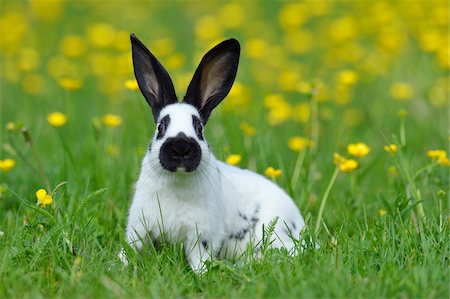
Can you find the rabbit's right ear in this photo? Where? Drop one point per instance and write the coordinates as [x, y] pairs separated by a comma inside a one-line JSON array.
[[153, 80]]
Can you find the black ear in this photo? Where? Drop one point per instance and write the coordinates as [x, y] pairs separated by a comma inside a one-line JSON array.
[[153, 80], [214, 77]]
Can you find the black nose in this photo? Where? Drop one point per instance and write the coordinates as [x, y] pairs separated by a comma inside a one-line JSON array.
[[180, 151]]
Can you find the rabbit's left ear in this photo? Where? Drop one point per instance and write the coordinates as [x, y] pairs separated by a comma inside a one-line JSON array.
[[214, 77], [153, 80]]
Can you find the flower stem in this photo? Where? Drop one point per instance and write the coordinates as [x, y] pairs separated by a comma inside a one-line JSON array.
[[324, 200]]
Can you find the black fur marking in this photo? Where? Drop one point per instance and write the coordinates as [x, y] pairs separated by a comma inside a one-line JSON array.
[[205, 244], [180, 151], [240, 234], [293, 225], [162, 126], [243, 216], [198, 127]]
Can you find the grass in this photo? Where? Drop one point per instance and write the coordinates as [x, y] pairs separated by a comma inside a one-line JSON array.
[[384, 231]]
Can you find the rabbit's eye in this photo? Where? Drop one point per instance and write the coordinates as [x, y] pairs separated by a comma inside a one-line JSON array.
[[198, 127], [162, 127]]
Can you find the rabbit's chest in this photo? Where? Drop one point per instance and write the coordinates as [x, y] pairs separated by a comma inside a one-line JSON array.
[[187, 214]]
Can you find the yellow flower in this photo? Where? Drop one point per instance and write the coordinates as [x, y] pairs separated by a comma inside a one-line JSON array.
[[402, 113], [101, 35], [347, 77], [382, 212], [11, 126], [359, 149], [207, 28], [57, 119], [256, 48], [111, 120], [70, 84], [272, 172], [348, 165], [247, 129], [297, 143], [131, 84], [402, 91], [234, 159], [72, 46], [440, 156], [338, 159], [43, 198], [392, 170], [7, 164], [391, 148]]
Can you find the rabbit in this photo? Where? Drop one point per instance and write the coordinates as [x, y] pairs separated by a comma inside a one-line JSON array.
[[184, 194]]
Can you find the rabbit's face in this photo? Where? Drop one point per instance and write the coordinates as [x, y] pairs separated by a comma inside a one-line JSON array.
[[179, 138], [178, 143]]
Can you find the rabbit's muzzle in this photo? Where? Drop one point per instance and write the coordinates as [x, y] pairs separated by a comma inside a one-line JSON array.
[[180, 152]]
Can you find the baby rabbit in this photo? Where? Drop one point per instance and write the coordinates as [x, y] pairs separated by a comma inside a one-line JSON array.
[[183, 193]]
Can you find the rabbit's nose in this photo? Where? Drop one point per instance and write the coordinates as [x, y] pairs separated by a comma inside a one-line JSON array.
[[184, 152]]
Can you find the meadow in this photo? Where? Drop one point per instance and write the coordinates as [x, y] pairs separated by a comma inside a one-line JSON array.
[[345, 105]]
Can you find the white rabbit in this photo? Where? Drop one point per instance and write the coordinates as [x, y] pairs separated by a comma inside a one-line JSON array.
[[183, 193]]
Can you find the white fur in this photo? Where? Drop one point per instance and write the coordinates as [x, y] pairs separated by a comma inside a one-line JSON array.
[[210, 204]]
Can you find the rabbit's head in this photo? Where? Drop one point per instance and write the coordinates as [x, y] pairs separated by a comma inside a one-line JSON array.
[[178, 143]]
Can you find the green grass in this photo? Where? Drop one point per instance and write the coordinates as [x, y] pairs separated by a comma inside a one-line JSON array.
[[69, 249]]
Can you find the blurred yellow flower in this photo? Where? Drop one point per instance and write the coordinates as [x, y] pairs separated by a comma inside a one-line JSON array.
[[292, 15], [57, 119], [101, 35], [34, 84], [72, 46], [298, 143], [279, 109], [256, 48], [163, 47], [7, 164], [247, 129], [402, 113], [348, 165], [231, 15], [111, 120], [440, 156], [392, 170], [359, 149], [207, 28], [344, 164], [234, 159], [402, 91], [347, 77], [70, 84], [298, 42], [113, 151], [48, 11], [174, 61], [302, 112], [338, 159], [391, 148], [304, 87], [29, 59], [343, 29], [382, 212], [10, 126], [43, 198], [272, 172], [131, 84], [288, 80]]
